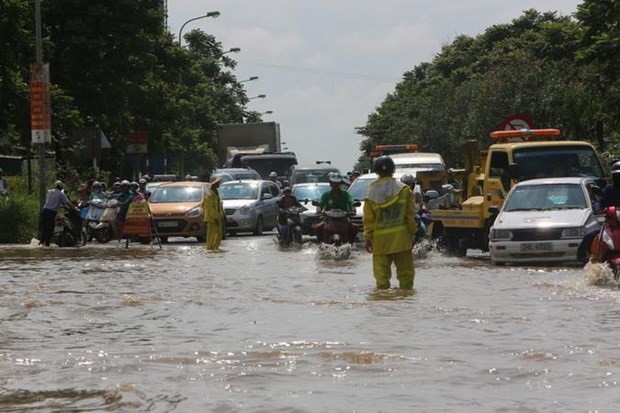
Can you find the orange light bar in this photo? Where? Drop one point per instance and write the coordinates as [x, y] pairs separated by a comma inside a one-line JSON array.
[[524, 133], [403, 147]]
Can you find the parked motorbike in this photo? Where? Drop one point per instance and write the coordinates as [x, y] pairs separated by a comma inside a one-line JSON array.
[[68, 230], [292, 230], [605, 247], [105, 229]]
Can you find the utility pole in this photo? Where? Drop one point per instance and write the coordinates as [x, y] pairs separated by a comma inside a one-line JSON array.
[[38, 135]]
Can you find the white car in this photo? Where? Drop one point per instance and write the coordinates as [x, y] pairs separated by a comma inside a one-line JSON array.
[[543, 220], [250, 205]]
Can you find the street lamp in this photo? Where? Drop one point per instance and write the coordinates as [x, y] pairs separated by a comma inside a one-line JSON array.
[[258, 97], [249, 80], [213, 14], [232, 50], [269, 112]]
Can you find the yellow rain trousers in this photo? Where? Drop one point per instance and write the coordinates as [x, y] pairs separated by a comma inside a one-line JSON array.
[[213, 213], [389, 223]]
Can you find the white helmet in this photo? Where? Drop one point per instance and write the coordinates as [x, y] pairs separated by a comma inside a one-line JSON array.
[[335, 177], [273, 175]]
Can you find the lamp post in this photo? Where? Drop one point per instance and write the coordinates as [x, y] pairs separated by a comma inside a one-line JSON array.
[[213, 14], [269, 112], [249, 80], [258, 97], [231, 50]]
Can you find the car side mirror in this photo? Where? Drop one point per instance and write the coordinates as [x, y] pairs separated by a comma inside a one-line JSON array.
[[357, 204], [316, 203], [267, 196], [494, 210]]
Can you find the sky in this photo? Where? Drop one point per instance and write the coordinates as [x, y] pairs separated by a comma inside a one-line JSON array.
[[326, 65]]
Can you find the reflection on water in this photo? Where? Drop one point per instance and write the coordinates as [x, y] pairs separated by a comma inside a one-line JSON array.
[[256, 328]]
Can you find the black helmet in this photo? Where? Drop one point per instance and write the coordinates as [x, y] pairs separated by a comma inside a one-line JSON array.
[[384, 164], [408, 179], [615, 168]]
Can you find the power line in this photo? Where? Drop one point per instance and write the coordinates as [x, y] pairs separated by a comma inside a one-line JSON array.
[[327, 72]]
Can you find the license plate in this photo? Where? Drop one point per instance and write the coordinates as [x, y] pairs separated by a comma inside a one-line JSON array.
[[167, 224], [537, 246]]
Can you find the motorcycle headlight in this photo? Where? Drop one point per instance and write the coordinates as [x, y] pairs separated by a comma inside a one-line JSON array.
[[193, 213], [501, 234], [576, 232], [245, 209]]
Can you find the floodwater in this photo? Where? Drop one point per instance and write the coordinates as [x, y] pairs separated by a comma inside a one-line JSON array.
[[105, 328]]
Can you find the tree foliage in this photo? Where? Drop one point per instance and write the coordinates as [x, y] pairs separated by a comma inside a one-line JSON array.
[[114, 65], [558, 70]]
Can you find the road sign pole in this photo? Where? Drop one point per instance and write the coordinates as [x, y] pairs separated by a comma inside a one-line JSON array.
[[41, 144]]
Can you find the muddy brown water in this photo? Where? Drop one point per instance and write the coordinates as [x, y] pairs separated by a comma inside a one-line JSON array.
[[258, 329]]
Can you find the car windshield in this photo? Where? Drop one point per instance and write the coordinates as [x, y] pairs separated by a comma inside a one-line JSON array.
[[312, 192], [359, 187], [239, 190], [421, 166], [558, 161], [546, 196], [165, 194], [312, 175], [233, 176]]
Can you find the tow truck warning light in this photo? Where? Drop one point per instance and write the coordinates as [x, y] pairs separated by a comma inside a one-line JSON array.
[[524, 134]]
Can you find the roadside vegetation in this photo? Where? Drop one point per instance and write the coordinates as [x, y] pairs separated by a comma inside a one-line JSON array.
[[561, 71]]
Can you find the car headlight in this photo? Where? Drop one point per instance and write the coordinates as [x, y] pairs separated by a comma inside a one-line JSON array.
[[245, 209], [193, 213], [501, 234], [576, 232]]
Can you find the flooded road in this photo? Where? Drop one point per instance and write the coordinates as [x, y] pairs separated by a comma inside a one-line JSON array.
[[258, 329]]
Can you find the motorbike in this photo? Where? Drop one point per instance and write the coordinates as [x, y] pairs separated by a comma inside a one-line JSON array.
[[106, 227], [292, 229], [68, 230], [336, 228], [605, 247], [96, 208]]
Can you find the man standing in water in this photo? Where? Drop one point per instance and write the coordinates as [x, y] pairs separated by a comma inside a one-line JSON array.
[[389, 225], [213, 214]]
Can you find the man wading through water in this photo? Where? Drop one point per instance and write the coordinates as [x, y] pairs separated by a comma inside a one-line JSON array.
[[389, 224]]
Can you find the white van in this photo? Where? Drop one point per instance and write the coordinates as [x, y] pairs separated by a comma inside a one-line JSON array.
[[419, 161]]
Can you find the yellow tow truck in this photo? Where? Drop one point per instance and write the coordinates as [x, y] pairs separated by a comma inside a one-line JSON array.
[[489, 175]]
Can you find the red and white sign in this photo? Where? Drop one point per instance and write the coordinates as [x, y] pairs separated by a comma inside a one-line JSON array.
[[137, 142], [517, 122], [40, 107]]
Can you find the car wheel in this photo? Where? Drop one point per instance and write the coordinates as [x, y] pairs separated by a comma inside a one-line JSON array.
[[258, 230], [201, 239], [497, 263]]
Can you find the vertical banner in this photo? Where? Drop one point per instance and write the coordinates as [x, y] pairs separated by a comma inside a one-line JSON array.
[[40, 106]]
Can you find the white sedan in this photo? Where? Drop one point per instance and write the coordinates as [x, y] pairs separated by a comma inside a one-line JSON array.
[[543, 220]]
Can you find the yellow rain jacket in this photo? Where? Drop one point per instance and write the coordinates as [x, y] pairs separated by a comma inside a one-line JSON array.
[[389, 212], [213, 207]]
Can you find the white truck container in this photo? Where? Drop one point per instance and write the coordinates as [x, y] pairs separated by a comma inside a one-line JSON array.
[[247, 138]]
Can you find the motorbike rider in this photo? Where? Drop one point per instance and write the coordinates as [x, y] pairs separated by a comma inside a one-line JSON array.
[[124, 198], [56, 198], [287, 201], [610, 197], [389, 226], [142, 188], [273, 176], [336, 198], [96, 192], [420, 215], [135, 188]]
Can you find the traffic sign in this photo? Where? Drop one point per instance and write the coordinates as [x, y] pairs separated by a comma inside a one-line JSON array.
[[517, 122]]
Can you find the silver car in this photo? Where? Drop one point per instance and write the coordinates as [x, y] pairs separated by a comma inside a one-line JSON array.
[[250, 205], [543, 220]]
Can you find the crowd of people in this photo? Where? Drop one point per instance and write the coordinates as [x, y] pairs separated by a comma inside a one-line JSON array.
[[123, 191]]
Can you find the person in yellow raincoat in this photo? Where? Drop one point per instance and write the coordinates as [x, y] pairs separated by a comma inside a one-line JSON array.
[[389, 224], [213, 214]]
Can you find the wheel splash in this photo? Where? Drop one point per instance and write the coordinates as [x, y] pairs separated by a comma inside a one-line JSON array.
[[335, 252], [600, 275]]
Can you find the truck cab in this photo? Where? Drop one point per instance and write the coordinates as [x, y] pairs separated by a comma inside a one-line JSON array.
[[517, 156]]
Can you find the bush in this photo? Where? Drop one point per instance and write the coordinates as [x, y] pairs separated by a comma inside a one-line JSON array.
[[19, 215]]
